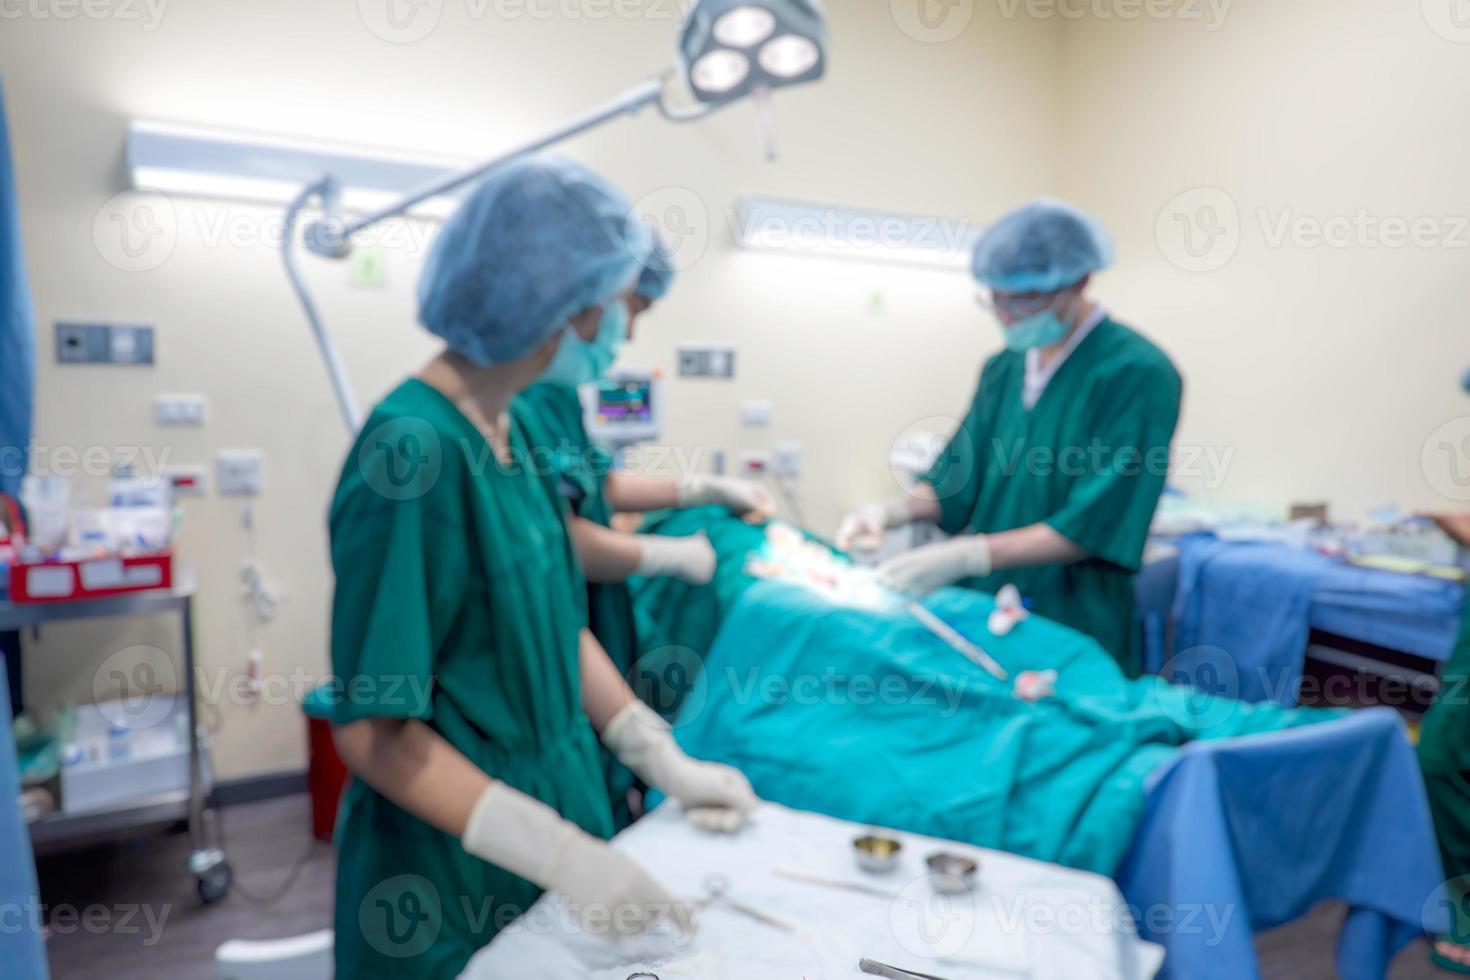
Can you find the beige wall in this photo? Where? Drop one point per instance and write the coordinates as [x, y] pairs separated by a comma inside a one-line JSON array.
[[1316, 371], [961, 129], [1324, 369]]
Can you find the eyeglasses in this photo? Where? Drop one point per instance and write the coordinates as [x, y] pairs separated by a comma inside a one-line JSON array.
[[1014, 306]]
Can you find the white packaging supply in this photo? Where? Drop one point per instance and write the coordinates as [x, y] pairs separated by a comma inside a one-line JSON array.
[[98, 774]]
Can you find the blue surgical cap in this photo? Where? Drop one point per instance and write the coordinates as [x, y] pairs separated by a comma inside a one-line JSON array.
[[658, 271], [533, 244], [1041, 247]]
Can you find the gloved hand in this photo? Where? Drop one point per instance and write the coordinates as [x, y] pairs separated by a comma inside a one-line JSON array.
[[714, 797], [863, 528], [689, 559], [935, 565], [603, 887], [737, 496]]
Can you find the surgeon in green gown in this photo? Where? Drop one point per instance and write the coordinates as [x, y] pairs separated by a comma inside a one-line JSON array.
[[595, 492], [467, 696], [1051, 480], [1444, 757]]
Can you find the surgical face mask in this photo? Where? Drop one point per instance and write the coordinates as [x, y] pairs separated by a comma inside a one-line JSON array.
[[579, 361], [1037, 330]]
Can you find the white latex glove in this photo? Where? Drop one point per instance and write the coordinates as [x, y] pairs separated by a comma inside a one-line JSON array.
[[689, 559], [736, 496], [714, 797], [605, 888], [936, 565], [863, 528]]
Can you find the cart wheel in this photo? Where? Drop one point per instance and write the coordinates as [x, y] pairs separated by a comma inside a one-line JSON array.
[[215, 883]]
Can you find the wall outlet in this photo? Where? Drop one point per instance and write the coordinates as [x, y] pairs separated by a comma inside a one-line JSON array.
[[786, 459], [754, 462], [103, 343], [239, 472], [706, 361], [179, 409], [187, 481], [755, 414]]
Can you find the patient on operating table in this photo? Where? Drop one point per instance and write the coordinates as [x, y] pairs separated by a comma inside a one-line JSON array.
[[946, 716]]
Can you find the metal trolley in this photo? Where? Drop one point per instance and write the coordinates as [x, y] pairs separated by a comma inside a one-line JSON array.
[[59, 830]]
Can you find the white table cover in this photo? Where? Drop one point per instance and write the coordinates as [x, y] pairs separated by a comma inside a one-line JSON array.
[[1025, 918]]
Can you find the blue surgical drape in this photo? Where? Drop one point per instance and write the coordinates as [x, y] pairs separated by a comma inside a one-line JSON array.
[[17, 330], [21, 949]]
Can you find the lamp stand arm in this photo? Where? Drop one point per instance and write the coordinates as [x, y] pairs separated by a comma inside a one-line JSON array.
[[341, 385]]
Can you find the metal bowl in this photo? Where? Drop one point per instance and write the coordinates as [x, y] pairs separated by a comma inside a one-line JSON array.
[[952, 873], [876, 853]]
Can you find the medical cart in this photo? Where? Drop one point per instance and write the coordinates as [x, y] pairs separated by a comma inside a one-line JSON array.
[[60, 830]]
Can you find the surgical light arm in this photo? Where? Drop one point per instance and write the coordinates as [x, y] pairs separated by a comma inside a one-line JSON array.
[[728, 50], [331, 236]]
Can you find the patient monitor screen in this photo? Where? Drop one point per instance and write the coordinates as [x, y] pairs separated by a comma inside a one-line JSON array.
[[624, 401]]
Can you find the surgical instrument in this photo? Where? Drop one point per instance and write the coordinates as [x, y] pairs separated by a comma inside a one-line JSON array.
[[874, 968], [851, 886], [717, 889], [955, 639]]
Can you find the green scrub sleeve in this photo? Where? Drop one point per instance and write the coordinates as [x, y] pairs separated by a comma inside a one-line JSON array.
[[1121, 474], [956, 474], [401, 568]]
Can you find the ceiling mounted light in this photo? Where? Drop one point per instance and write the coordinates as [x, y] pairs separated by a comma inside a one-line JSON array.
[[745, 27], [794, 33], [719, 71], [789, 56]]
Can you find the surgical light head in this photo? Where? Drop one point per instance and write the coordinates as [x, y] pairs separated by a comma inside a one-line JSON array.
[[733, 48], [536, 242], [1041, 247]]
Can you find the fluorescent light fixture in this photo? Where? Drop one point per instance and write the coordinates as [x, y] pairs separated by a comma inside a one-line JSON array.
[[845, 233], [200, 162]]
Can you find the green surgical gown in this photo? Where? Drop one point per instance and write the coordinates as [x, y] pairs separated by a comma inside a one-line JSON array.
[[1444, 755], [556, 426], [458, 602], [1089, 459]]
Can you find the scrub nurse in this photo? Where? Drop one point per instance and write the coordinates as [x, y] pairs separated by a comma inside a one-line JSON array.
[[468, 697], [1051, 481], [595, 492]]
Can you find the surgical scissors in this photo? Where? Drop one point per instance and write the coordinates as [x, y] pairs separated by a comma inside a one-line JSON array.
[[717, 892]]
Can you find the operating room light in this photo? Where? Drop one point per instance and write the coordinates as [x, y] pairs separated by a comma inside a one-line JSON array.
[[789, 56], [789, 41], [782, 42], [719, 71], [745, 27]]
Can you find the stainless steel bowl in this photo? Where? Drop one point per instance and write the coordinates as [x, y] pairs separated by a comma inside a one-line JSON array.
[[876, 853], [952, 873]]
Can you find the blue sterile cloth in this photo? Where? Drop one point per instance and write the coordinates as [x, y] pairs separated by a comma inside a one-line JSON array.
[[17, 331], [1243, 612], [1153, 593], [1246, 834], [1216, 820], [1241, 617], [1412, 613], [865, 715], [21, 949]]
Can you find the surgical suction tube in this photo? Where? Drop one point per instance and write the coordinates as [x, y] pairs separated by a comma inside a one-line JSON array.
[[331, 236]]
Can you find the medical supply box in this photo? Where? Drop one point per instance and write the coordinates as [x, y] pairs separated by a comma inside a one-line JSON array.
[[91, 578]]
